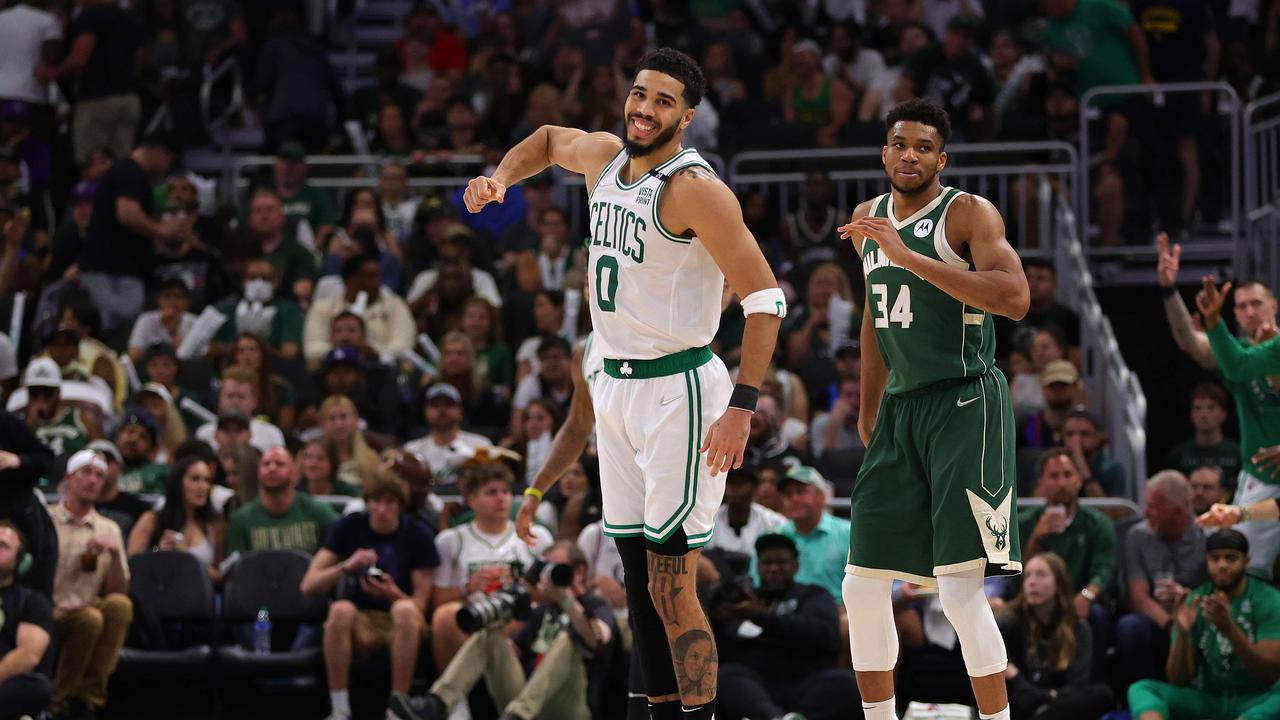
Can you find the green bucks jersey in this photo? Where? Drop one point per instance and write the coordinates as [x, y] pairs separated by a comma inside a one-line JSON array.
[[64, 436], [925, 335]]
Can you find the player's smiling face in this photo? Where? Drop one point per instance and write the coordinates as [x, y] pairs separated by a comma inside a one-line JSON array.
[[655, 112], [913, 156]]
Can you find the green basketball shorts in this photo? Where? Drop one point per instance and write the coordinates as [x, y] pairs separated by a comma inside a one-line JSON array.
[[937, 490]]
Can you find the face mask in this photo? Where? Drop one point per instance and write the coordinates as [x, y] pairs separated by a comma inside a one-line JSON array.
[[258, 290]]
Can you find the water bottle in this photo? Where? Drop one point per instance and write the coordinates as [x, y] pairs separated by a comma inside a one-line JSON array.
[[262, 633]]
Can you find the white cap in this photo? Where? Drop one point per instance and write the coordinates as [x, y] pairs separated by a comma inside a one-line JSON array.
[[158, 390], [83, 459], [42, 372]]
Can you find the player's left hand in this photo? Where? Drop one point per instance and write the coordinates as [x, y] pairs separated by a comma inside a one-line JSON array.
[[883, 233], [726, 440]]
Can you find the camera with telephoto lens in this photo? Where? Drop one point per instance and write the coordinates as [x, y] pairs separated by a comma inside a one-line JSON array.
[[512, 601]]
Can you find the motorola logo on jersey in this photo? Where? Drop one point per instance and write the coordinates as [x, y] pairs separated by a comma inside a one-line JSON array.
[[923, 228]]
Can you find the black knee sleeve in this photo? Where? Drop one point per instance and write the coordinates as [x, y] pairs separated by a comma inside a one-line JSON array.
[[675, 546], [650, 635]]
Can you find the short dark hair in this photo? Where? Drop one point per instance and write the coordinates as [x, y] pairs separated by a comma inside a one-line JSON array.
[[352, 265], [1054, 452], [1081, 414], [1256, 283], [554, 342], [1043, 264], [670, 61], [22, 538], [348, 314], [1214, 392], [921, 111]]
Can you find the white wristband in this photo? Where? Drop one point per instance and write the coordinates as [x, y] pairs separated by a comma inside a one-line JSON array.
[[770, 301]]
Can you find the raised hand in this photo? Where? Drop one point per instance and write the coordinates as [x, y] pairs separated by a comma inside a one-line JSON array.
[[1210, 301], [1170, 257], [481, 191]]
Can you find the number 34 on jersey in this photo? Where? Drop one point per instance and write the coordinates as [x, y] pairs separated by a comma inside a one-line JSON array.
[[900, 315]]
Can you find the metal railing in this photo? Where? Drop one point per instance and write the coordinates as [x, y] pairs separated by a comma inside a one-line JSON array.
[[1004, 173], [217, 119], [1204, 248], [1260, 253], [1114, 391]]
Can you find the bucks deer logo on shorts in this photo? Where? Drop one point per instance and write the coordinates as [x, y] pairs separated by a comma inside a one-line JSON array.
[[999, 532], [993, 525]]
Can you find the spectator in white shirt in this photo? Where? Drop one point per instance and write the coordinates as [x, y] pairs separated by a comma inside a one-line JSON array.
[[29, 35], [740, 520], [168, 323], [388, 322], [239, 394], [446, 446]]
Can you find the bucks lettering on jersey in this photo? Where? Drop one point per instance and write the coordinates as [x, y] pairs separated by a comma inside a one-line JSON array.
[[653, 292], [925, 335], [64, 436]]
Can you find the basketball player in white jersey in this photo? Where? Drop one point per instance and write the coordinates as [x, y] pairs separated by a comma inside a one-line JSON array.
[[665, 234]]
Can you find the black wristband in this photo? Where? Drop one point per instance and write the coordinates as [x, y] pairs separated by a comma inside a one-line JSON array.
[[1168, 292], [744, 397]]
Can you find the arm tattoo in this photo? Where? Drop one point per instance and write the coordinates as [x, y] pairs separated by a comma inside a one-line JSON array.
[[1195, 344], [663, 579], [697, 173], [697, 664]]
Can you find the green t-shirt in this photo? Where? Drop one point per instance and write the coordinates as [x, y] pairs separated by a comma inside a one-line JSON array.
[[1218, 670], [496, 359], [310, 204], [303, 526], [1096, 33], [286, 325], [1188, 456], [1245, 370], [292, 263], [66, 435], [146, 479], [1087, 545]]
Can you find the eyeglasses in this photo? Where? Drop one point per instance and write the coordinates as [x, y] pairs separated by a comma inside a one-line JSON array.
[[42, 392]]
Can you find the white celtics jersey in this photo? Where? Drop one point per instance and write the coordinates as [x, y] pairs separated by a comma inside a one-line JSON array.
[[464, 550], [592, 360], [653, 292]]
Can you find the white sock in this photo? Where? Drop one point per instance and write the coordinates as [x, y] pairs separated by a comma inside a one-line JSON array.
[[340, 702], [1001, 715], [883, 710]]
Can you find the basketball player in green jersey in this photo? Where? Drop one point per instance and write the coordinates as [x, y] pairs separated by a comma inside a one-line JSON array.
[[665, 235], [934, 502]]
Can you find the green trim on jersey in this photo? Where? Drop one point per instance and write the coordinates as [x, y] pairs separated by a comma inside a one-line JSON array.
[[657, 203], [622, 184], [672, 364], [925, 335], [604, 172]]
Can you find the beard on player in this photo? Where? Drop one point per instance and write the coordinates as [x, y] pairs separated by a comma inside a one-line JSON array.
[[639, 148], [909, 185]]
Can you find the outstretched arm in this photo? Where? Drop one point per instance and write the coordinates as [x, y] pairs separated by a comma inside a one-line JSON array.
[[699, 201], [1189, 340], [572, 149], [996, 284], [566, 448]]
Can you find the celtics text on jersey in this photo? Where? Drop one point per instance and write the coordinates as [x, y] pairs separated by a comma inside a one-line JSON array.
[[653, 292]]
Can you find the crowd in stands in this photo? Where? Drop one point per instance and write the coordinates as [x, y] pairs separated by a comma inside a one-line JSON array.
[[371, 377]]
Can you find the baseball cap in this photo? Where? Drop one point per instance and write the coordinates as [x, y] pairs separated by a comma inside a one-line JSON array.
[[139, 416], [158, 390], [233, 416], [83, 459], [84, 190], [292, 150], [1227, 539], [443, 390], [42, 372], [1059, 371], [806, 475], [108, 448], [344, 354], [773, 540]]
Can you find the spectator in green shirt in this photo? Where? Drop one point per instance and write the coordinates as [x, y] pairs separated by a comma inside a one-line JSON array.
[[1209, 447], [1100, 41], [1084, 538], [136, 440], [281, 518], [1225, 654], [260, 311], [301, 201], [269, 239]]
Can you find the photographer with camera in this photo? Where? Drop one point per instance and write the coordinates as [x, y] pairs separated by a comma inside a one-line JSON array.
[[476, 557], [551, 666], [778, 643], [390, 556]]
